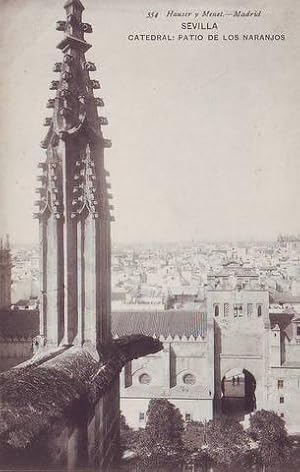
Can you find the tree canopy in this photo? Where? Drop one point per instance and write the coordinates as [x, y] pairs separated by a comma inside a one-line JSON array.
[[165, 443], [268, 430], [227, 442], [162, 438]]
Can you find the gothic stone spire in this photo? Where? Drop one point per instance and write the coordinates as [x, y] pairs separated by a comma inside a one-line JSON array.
[[73, 208]]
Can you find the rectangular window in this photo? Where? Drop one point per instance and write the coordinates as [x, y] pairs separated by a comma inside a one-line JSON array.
[[249, 309], [279, 383], [226, 310], [188, 417], [259, 310], [235, 310], [281, 400], [298, 330], [217, 310], [141, 416]]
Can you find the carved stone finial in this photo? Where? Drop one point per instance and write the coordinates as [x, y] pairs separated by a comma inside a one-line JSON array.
[[38, 343], [74, 3]]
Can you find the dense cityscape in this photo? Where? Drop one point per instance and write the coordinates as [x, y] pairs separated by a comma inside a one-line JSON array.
[[244, 361], [174, 275]]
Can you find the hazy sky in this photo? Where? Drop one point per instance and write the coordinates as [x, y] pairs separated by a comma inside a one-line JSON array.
[[205, 135]]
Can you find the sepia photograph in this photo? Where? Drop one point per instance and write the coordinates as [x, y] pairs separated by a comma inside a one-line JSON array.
[[150, 236]]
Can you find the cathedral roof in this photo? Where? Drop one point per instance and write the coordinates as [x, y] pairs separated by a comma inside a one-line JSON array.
[[160, 323]]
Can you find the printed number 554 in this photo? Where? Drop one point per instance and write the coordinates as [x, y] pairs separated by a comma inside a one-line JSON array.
[[152, 14]]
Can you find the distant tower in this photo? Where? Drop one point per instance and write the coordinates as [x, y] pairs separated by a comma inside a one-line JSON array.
[[5, 274], [73, 208]]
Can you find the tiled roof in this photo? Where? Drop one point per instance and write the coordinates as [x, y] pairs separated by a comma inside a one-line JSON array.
[[19, 323], [160, 323]]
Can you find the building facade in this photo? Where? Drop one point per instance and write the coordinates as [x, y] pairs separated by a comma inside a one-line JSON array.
[[247, 359], [240, 307], [283, 389], [182, 372]]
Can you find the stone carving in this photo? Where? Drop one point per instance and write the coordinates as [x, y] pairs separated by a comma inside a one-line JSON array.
[[86, 28], [84, 201], [50, 194], [38, 343], [60, 25]]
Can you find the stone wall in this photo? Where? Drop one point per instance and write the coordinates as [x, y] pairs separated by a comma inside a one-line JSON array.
[[284, 395], [182, 372], [61, 408], [13, 351]]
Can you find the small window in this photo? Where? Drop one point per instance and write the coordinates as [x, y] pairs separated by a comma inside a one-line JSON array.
[[298, 330], [281, 415], [141, 416], [189, 379], [217, 310], [226, 310], [281, 400], [145, 379], [279, 383], [249, 309], [236, 311], [240, 310], [188, 417], [259, 310]]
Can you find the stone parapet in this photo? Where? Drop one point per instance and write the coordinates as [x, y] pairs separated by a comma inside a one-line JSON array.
[[44, 397]]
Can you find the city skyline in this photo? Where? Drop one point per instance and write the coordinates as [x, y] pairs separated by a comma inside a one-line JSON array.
[[202, 149]]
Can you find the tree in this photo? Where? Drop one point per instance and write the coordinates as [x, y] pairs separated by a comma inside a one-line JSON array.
[[194, 444], [161, 441], [194, 436], [227, 442], [128, 436], [268, 430]]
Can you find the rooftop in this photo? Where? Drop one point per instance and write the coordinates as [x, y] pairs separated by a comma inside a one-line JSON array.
[[160, 323]]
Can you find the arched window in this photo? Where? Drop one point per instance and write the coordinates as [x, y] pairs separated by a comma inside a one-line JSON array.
[[217, 310], [145, 379], [259, 310], [189, 379]]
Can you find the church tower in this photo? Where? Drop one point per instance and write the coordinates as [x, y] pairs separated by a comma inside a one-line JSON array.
[[73, 206], [5, 274]]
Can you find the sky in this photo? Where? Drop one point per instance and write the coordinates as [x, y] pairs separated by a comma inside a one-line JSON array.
[[205, 134]]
